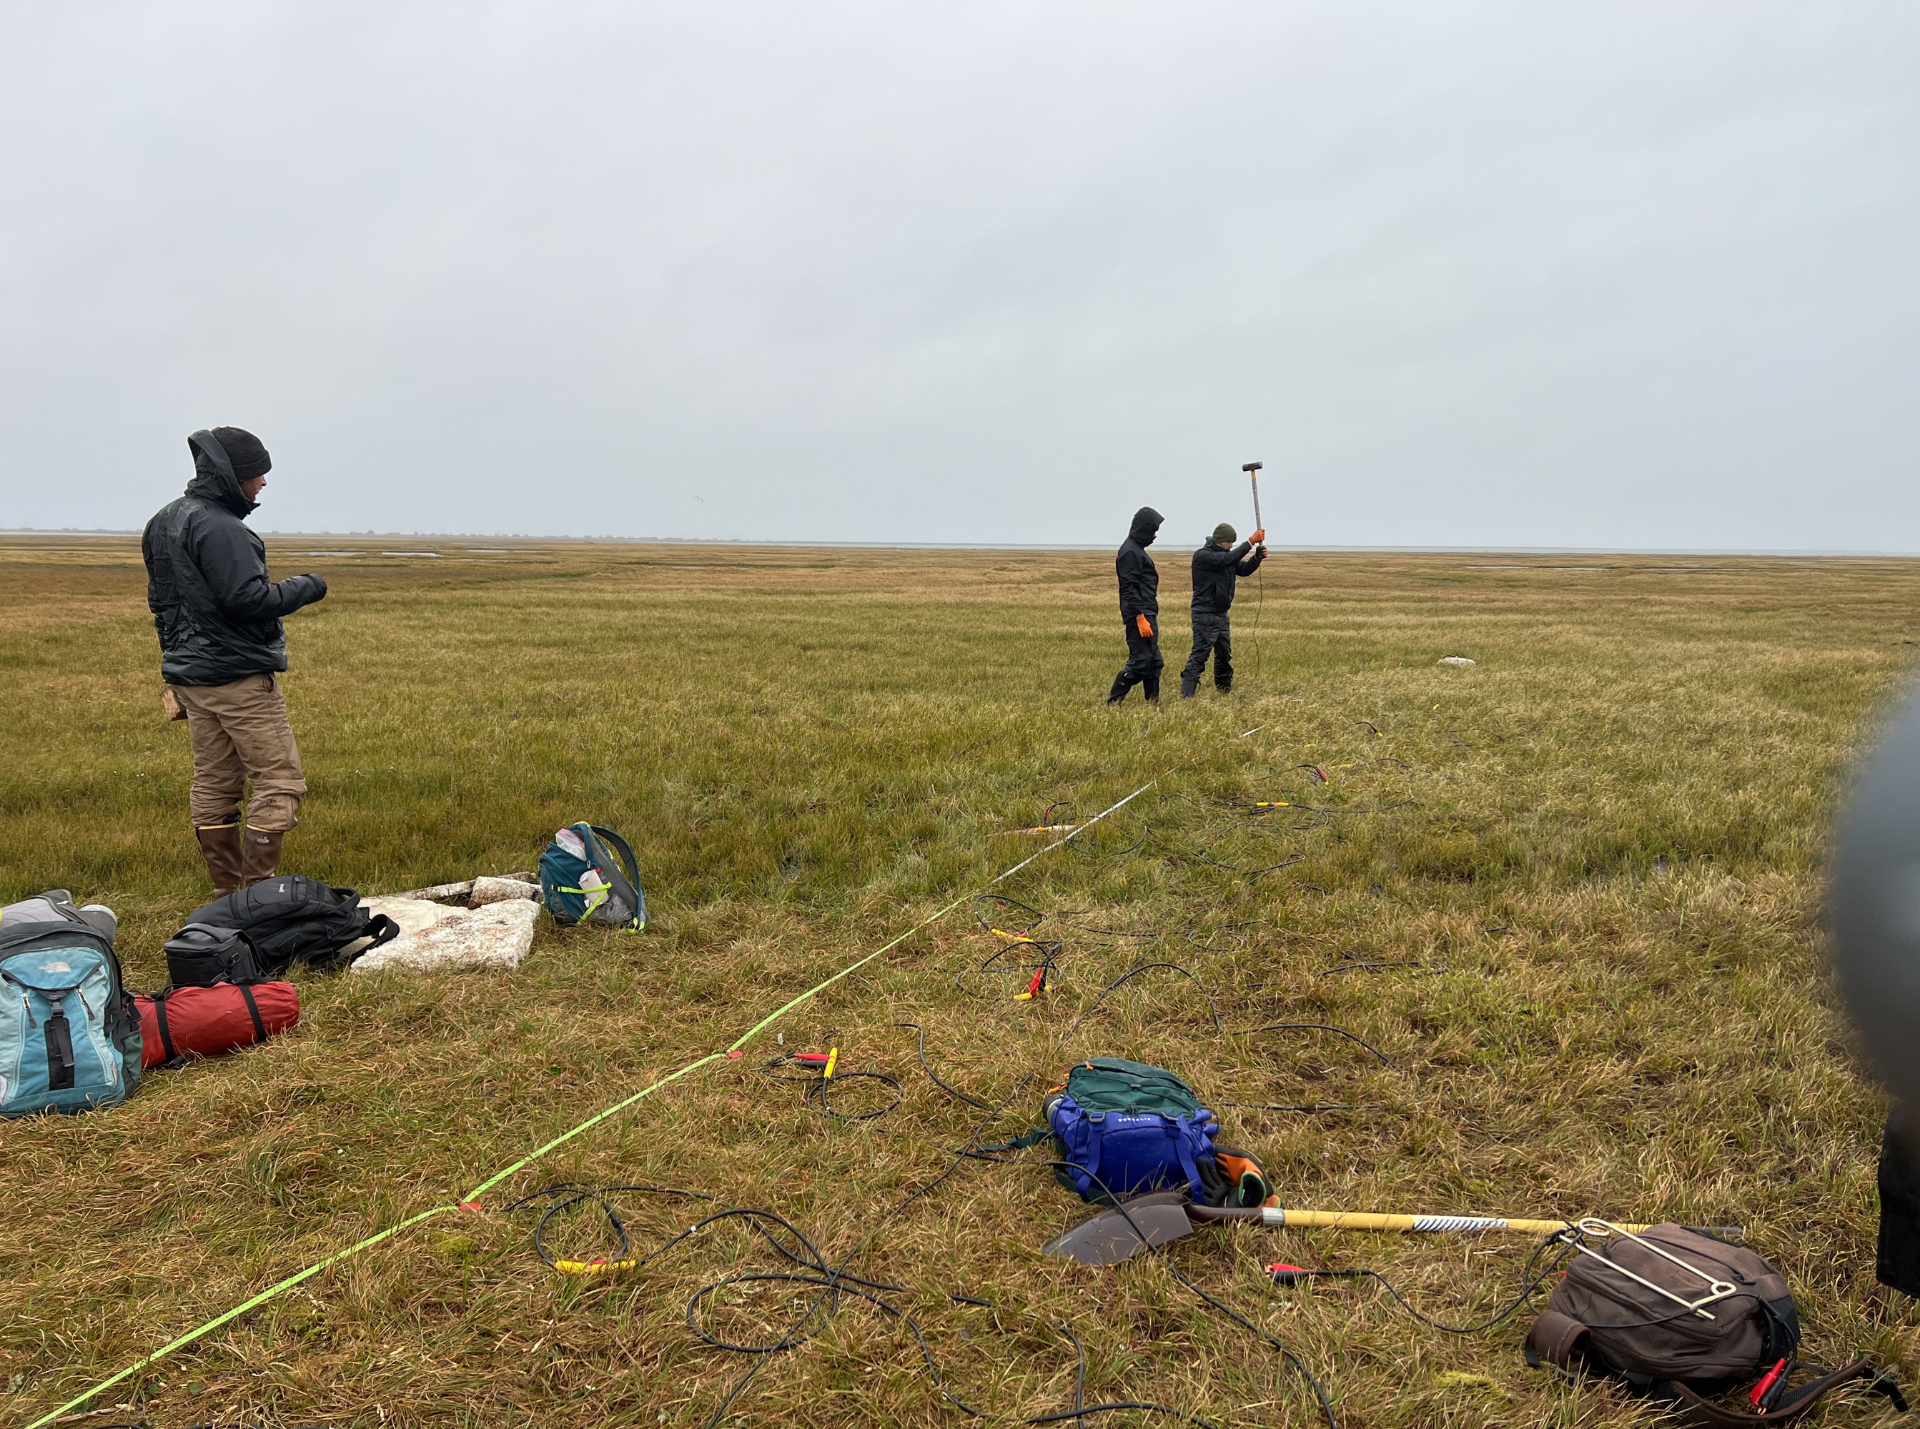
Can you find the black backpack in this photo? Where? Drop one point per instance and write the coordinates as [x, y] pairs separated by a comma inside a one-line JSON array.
[[291, 918]]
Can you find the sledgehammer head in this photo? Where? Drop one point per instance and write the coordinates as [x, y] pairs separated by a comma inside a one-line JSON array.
[[1111, 1236]]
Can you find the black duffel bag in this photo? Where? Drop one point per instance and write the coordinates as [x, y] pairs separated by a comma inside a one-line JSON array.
[[202, 955], [291, 918]]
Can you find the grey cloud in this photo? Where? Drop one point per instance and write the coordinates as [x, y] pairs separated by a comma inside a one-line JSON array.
[[1499, 274]]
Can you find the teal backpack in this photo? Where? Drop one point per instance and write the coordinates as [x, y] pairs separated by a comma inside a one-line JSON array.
[[589, 875], [69, 1030]]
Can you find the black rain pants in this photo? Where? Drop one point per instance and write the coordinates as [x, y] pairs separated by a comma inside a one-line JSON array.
[[1899, 1258], [1143, 666], [1212, 635]]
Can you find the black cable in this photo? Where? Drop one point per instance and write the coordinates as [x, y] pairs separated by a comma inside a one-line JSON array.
[[1135, 971], [1274, 867], [1048, 950], [818, 1085], [830, 1278], [834, 1282], [1089, 851], [1359, 967], [933, 1077], [1001, 898], [563, 1196], [1532, 1283], [1319, 1027], [1080, 1406], [1115, 932], [1326, 1404], [1124, 1404], [823, 1085]]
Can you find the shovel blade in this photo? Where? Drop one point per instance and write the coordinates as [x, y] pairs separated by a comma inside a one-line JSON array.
[[1110, 1237]]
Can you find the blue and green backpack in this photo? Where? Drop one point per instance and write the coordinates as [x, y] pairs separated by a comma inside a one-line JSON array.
[[69, 1030], [598, 883], [1123, 1128]]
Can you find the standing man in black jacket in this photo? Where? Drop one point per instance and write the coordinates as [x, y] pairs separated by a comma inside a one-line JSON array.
[[1215, 569], [1139, 610], [222, 648]]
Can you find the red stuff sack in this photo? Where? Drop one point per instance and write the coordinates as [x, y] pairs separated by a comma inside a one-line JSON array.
[[207, 1021]]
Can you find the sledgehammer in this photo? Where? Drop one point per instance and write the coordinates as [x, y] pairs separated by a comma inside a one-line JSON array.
[[1252, 469]]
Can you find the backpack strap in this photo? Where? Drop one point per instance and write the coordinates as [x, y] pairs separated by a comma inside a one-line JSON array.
[[622, 851], [1692, 1409], [253, 1011], [1084, 1175], [1021, 1143], [383, 929], [1556, 1338], [160, 1016], [1186, 1130]]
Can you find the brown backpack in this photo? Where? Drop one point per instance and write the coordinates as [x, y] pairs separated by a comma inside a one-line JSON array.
[[1680, 1316]]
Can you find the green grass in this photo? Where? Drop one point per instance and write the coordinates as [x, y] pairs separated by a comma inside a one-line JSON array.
[[1596, 855]]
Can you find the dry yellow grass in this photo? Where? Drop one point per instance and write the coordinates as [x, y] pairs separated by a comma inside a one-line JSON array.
[[1591, 863]]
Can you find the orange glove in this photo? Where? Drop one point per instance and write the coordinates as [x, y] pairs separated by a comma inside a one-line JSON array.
[[1140, 624], [1258, 536]]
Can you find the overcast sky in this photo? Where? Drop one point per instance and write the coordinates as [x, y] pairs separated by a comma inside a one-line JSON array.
[[1605, 274]]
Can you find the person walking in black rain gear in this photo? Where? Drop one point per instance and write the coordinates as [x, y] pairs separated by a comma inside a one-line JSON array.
[[1215, 568], [1139, 610]]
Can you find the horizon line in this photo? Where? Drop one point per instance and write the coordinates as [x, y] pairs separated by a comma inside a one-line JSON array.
[[1028, 546]]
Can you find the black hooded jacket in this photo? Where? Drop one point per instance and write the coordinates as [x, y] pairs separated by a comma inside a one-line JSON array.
[[1139, 577], [1214, 570], [217, 614]]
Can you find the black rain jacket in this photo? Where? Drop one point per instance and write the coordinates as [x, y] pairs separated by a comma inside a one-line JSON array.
[[217, 614], [1214, 572], [1139, 577]]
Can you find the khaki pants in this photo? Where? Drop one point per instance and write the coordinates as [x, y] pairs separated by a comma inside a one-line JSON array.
[[240, 732]]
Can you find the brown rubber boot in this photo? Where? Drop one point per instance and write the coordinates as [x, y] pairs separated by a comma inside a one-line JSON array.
[[259, 855], [220, 846]]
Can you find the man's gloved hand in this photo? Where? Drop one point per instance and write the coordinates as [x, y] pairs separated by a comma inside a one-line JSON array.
[[1258, 536], [1140, 624], [319, 587], [1263, 549]]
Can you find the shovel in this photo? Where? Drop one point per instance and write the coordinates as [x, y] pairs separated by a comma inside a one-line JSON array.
[[1167, 1215], [1116, 1232]]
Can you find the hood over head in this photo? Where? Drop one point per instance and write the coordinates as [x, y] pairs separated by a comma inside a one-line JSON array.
[[222, 459], [1146, 525]]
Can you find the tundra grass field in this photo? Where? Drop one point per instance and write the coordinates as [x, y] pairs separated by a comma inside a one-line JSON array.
[[1572, 892]]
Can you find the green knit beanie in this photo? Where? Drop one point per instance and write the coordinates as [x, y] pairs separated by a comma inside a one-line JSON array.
[[1224, 533]]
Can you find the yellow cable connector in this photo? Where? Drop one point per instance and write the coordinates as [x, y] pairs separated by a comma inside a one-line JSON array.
[[592, 1267]]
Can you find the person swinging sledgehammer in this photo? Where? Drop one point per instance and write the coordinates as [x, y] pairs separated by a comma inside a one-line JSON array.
[[1215, 568]]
